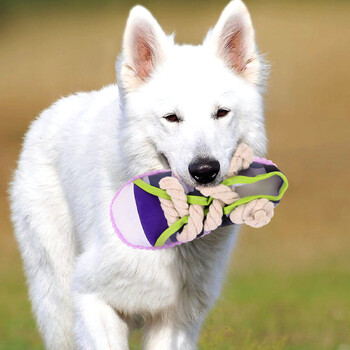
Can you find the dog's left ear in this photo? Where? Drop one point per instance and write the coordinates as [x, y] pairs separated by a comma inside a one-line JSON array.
[[233, 40], [144, 47]]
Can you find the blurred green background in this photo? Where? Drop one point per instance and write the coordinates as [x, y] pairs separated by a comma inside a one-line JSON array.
[[288, 286]]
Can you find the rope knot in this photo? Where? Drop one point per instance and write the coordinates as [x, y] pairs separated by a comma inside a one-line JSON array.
[[241, 160], [256, 213], [222, 195]]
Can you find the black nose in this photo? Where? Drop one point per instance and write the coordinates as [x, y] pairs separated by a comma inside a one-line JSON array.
[[204, 170]]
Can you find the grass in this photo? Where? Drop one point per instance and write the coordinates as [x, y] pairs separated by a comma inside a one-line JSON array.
[[258, 310], [288, 286]]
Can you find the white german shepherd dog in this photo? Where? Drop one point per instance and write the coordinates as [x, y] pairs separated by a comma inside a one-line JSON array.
[[172, 106]]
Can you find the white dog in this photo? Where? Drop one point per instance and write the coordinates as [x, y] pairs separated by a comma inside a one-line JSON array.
[[183, 107]]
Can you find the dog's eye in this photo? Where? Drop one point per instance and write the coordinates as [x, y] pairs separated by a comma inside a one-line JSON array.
[[172, 118], [222, 112]]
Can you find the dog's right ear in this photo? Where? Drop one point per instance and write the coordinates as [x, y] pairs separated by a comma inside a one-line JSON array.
[[144, 47], [233, 40]]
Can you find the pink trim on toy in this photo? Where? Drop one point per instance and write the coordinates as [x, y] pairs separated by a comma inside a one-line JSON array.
[[264, 161]]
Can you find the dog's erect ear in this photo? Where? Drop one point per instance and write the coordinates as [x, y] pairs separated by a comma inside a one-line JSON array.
[[144, 47], [233, 40]]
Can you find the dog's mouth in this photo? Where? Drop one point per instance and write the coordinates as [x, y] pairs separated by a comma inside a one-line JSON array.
[[187, 178]]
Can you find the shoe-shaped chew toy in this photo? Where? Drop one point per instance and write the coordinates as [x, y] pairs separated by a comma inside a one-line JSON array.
[[156, 210]]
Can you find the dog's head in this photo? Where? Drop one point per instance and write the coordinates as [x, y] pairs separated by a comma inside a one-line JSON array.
[[188, 107]]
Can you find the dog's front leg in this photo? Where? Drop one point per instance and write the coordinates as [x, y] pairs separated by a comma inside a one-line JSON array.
[[98, 326], [165, 335]]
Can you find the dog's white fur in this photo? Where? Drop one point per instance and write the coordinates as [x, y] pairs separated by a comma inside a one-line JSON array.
[[87, 287]]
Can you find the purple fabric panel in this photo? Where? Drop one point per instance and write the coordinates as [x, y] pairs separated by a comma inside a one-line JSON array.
[[151, 214]]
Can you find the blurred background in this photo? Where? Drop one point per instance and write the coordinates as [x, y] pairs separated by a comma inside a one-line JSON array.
[[288, 285]]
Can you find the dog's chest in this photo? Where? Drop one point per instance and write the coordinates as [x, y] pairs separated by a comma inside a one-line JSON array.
[[155, 281], [149, 282], [144, 281]]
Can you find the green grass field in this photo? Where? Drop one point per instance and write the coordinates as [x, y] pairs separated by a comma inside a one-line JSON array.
[[288, 286]]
